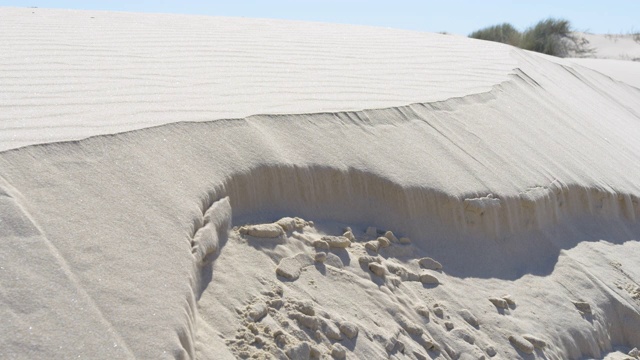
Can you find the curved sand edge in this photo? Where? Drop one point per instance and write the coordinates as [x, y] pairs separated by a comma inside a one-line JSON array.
[[69, 75]]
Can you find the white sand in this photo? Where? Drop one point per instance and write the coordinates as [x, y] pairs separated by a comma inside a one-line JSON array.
[[67, 75], [519, 175], [617, 56], [613, 46], [621, 70]]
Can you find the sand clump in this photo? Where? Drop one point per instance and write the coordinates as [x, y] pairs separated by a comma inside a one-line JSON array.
[[521, 344], [263, 230]]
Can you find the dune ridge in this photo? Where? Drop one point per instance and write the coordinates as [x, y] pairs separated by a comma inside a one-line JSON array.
[[104, 72], [494, 216], [283, 177]]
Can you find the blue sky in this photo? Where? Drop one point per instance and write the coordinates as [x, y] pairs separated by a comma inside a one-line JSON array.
[[455, 16]]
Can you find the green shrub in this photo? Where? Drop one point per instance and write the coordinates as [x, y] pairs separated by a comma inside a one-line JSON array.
[[551, 36], [504, 33]]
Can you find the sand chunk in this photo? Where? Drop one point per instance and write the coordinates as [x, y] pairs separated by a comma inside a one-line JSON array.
[[428, 279], [315, 352], [338, 351], [510, 301], [377, 269], [395, 268], [521, 344], [389, 235], [290, 267], [423, 311], [408, 325], [491, 351], [402, 272], [464, 335], [310, 322], [262, 230], [286, 223], [340, 242], [537, 342], [499, 303], [299, 352], [290, 224], [320, 257], [331, 330], [258, 311], [384, 242], [320, 244], [275, 303], [481, 204], [429, 264], [334, 260], [372, 245], [349, 329], [468, 317], [448, 325], [438, 311], [583, 307], [428, 343], [349, 235], [305, 307], [366, 260], [634, 353]]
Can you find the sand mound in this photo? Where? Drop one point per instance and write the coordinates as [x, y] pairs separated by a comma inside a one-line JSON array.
[[483, 205], [68, 75]]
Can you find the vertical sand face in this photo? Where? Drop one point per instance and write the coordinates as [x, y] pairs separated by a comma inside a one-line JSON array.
[[495, 216]]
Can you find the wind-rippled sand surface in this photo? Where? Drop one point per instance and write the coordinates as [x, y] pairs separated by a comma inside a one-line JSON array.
[[296, 190]]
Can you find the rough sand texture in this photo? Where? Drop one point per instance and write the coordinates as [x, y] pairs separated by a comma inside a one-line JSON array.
[[517, 175]]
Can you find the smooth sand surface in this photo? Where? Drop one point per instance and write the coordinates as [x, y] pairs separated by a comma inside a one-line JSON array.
[[298, 190], [613, 46], [617, 56], [621, 70], [67, 75]]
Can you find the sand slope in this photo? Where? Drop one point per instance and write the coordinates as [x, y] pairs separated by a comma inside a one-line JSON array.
[[67, 75], [518, 175], [621, 70], [617, 56]]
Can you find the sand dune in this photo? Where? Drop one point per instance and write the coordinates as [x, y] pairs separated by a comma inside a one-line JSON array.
[[617, 56], [621, 70], [309, 190], [80, 73]]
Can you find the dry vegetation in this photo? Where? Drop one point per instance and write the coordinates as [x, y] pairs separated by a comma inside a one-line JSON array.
[[550, 36]]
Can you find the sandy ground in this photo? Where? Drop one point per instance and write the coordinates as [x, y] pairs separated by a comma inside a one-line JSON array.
[[617, 56], [211, 188]]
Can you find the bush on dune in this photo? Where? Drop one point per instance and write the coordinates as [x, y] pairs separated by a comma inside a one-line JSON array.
[[504, 33], [551, 36]]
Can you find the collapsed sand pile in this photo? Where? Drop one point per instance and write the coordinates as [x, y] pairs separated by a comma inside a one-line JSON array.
[[484, 205]]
